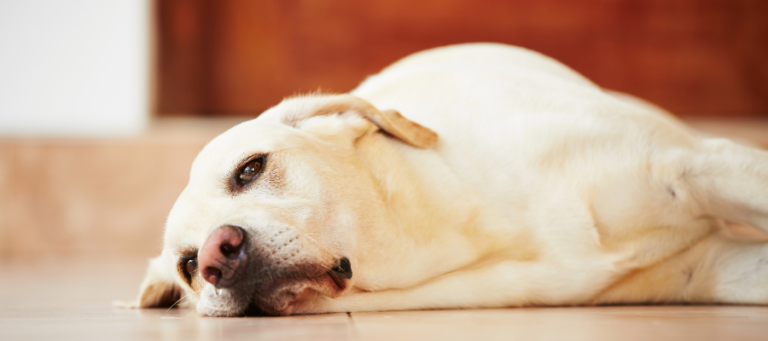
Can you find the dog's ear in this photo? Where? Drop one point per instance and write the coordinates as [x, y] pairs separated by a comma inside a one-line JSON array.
[[158, 290], [389, 121]]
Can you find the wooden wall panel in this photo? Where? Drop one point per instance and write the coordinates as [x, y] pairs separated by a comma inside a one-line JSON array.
[[239, 57]]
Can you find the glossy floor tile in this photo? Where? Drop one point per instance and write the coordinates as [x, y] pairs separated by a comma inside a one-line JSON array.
[[71, 300]]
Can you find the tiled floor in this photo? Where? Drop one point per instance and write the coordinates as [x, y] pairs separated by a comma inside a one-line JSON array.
[[71, 301]]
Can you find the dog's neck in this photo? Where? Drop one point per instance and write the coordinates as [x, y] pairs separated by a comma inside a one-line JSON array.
[[432, 223]]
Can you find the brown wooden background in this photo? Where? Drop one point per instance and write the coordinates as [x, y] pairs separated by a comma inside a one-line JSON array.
[[239, 57]]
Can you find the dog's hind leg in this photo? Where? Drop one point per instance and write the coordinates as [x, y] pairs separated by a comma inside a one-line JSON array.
[[713, 181], [728, 181], [714, 270]]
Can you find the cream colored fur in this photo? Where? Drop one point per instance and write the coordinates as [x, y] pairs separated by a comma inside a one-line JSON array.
[[541, 189]]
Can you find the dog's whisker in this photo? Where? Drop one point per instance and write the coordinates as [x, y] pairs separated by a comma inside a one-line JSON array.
[[175, 303]]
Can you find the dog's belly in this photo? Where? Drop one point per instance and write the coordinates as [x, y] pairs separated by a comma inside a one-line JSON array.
[[537, 141]]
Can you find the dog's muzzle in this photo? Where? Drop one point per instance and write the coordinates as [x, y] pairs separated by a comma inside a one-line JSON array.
[[244, 272]]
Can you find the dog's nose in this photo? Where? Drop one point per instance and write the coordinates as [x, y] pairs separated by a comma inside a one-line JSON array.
[[223, 256]]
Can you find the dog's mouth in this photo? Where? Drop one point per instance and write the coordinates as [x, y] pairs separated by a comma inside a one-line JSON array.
[[277, 294], [288, 298], [283, 302]]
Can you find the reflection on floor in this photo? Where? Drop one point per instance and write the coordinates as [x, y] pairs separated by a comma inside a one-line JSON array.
[[57, 300]]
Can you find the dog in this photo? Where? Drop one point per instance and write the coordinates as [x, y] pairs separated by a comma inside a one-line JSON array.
[[467, 176]]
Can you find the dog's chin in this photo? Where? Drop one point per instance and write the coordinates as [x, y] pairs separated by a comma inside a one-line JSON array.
[[286, 300], [222, 303], [296, 298]]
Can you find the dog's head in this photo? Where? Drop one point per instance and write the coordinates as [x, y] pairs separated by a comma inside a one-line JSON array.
[[277, 210]]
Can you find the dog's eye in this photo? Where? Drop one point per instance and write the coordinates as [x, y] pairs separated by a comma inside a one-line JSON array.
[[188, 268], [250, 171], [191, 266]]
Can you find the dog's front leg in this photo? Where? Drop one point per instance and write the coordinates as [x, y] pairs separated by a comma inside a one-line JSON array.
[[505, 284]]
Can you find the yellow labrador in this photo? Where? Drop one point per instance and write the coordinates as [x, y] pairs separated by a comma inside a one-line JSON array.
[[508, 180]]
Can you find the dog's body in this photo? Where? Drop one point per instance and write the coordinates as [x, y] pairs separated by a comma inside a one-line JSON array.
[[542, 189]]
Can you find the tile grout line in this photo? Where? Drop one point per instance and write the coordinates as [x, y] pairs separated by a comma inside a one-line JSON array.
[[353, 332]]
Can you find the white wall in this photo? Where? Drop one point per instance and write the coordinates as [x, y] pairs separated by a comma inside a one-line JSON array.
[[74, 67]]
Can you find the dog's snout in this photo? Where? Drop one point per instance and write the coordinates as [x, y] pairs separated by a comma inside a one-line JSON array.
[[223, 256]]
